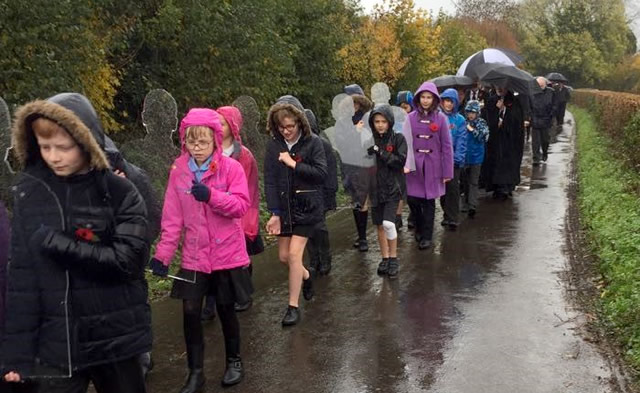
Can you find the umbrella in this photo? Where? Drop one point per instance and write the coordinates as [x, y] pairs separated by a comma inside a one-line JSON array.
[[489, 55], [557, 77], [508, 77], [447, 81]]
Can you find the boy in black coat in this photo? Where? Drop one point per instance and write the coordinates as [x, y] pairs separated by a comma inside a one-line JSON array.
[[77, 297], [390, 149]]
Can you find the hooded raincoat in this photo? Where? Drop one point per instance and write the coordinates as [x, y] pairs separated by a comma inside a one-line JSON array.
[[76, 295], [431, 154], [457, 126], [213, 235]]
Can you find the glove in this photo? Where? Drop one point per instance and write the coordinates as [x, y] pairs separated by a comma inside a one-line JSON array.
[[372, 150], [201, 192], [158, 268], [39, 237]]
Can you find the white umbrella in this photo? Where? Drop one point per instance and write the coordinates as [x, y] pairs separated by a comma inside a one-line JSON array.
[[489, 55]]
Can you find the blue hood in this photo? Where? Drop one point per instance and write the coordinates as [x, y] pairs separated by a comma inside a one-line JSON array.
[[452, 95]]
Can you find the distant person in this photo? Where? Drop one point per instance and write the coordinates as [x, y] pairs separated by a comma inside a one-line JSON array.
[[563, 96], [390, 150], [206, 198], [429, 163], [542, 111]]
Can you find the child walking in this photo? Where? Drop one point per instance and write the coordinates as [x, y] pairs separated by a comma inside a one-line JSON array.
[[206, 199], [390, 149], [231, 121], [295, 169], [477, 132], [450, 202], [76, 309], [429, 163]]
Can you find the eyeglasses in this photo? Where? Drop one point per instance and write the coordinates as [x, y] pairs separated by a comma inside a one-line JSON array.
[[290, 127], [198, 145]]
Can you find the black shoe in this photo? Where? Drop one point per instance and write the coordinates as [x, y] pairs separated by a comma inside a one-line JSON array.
[[356, 244], [195, 381], [471, 213], [234, 372], [452, 226], [392, 271], [307, 285], [544, 157], [536, 163], [291, 316], [383, 267], [208, 313], [363, 246], [424, 244], [325, 268], [444, 223], [240, 307]]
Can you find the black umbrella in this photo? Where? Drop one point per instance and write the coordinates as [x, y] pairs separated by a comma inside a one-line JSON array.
[[508, 77], [557, 77], [489, 55], [447, 81]]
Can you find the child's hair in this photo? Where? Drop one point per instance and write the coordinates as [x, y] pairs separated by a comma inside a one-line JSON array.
[[48, 128], [195, 132], [282, 113]]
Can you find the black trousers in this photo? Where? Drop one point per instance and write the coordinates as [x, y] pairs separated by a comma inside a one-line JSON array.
[[120, 377], [450, 202], [424, 211], [540, 143]]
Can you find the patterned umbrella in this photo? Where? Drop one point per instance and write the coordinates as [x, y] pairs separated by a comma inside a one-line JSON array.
[[489, 55]]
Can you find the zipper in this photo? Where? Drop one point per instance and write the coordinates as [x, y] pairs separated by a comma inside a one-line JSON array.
[[304, 191], [68, 284]]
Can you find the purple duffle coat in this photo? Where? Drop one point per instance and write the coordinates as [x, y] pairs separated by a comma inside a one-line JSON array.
[[430, 155]]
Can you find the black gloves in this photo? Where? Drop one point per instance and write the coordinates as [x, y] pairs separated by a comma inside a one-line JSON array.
[[373, 150], [158, 268], [200, 192]]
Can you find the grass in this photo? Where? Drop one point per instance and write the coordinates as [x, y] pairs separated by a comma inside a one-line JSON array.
[[610, 214]]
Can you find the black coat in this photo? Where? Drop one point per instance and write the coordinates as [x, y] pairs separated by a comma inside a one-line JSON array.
[[330, 186], [391, 154], [295, 195], [76, 295], [543, 109]]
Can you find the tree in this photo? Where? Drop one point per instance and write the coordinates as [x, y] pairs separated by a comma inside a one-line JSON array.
[[458, 42], [486, 10]]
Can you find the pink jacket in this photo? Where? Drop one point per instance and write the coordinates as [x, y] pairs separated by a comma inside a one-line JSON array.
[[213, 235], [250, 221]]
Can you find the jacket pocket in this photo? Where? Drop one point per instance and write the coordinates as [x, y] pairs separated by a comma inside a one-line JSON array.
[[307, 207]]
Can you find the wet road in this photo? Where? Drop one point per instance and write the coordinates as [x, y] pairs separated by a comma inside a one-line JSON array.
[[482, 311]]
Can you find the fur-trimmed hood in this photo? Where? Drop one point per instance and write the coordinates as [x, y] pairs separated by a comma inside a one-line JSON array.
[[294, 105], [71, 111]]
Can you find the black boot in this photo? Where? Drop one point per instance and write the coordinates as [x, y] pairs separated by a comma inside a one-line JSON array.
[[307, 285], [392, 271], [195, 381], [362, 231], [325, 254], [356, 219], [234, 372], [383, 267], [291, 316]]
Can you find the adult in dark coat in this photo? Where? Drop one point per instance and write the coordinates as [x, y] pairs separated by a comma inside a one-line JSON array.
[[77, 296], [505, 116], [563, 95], [318, 245], [542, 110], [4, 259]]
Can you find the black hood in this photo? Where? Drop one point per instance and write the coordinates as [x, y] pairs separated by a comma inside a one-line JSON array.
[[80, 105], [386, 111], [313, 122]]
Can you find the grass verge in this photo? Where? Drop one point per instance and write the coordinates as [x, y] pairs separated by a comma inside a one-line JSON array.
[[610, 215]]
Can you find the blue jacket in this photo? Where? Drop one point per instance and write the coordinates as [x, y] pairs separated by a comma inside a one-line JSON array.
[[476, 140], [457, 126]]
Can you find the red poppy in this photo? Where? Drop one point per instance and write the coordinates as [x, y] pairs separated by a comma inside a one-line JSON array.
[[433, 127], [85, 234], [213, 166], [389, 148], [297, 158]]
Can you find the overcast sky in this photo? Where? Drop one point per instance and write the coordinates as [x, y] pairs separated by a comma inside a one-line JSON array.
[[429, 5]]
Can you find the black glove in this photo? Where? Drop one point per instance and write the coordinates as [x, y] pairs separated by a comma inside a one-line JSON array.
[[372, 150], [39, 237], [200, 191], [158, 268]]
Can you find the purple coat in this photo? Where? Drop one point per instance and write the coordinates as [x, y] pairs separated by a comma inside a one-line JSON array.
[[4, 258], [431, 152]]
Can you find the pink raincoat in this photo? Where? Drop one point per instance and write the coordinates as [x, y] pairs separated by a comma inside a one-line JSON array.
[[250, 221], [213, 235]]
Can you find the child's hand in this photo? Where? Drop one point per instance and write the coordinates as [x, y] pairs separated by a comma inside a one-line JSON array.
[[406, 170], [469, 128], [118, 172], [158, 268], [200, 192], [12, 377], [286, 159], [273, 225], [372, 150], [446, 180]]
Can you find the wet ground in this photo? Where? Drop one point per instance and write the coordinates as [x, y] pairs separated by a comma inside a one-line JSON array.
[[483, 311]]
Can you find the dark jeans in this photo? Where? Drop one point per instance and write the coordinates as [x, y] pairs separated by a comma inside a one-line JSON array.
[[471, 175], [193, 332], [423, 211], [450, 202], [540, 143], [318, 246], [120, 377]]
